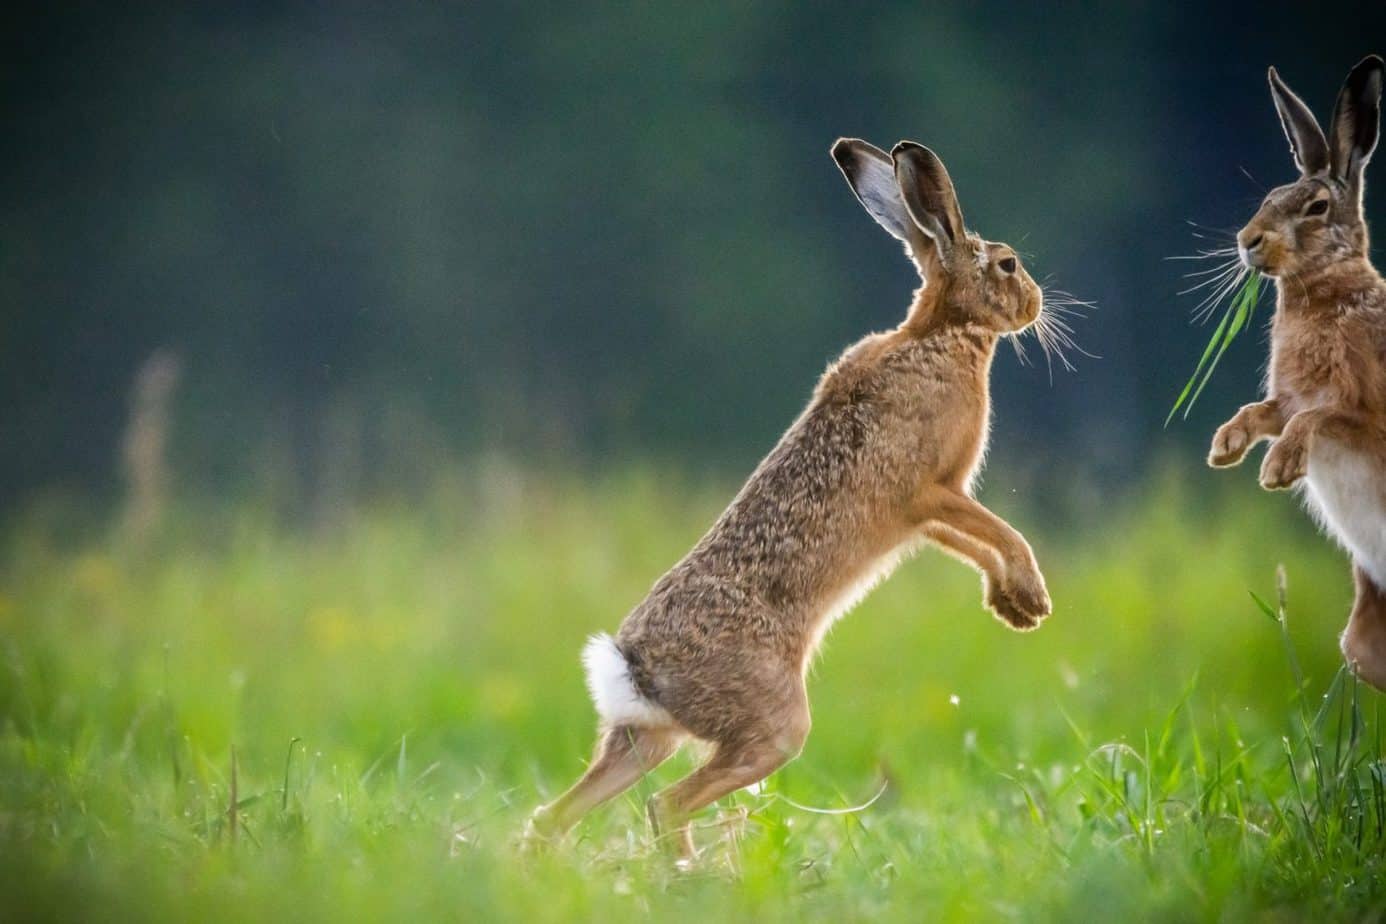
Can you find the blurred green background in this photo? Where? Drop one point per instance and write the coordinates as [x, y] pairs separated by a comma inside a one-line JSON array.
[[385, 238], [357, 361]]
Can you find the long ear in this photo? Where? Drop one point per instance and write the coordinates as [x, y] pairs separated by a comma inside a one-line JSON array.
[[929, 194], [871, 175], [1307, 143], [1357, 119]]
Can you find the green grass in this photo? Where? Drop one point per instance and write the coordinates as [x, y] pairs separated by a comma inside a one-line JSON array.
[[400, 690]]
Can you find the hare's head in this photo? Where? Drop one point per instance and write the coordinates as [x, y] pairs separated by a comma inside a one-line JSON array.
[[908, 192], [1317, 220]]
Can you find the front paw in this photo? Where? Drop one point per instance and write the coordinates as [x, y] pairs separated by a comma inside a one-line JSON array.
[[1286, 463], [1230, 444], [1021, 604]]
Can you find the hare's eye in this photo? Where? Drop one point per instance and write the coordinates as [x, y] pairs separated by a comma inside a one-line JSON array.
[[1007, 265], [1317, 207]]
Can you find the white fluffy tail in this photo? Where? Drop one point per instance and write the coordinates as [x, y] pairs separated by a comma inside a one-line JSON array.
[[613, 691]]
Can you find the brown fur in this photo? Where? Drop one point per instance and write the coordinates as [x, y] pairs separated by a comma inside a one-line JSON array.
[[881, 460], [1326, 388]]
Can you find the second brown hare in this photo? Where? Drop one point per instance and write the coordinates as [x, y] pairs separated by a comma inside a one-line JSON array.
[[881, 460], [1326, 388]]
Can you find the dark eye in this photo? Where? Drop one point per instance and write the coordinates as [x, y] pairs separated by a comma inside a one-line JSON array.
[[1317, 207], [1007, 265]]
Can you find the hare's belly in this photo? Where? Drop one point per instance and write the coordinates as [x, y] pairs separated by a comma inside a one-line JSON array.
[[1347, 490], [849, 596]]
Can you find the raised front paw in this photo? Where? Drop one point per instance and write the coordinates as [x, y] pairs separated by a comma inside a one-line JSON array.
[[1022, 603], [1286, 463], [1230, 444]]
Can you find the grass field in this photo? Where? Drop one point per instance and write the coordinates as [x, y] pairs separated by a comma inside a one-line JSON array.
[[398, 692]]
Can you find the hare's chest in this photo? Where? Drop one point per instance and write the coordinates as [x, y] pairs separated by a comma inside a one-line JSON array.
[[1305, 365], [977, 452]]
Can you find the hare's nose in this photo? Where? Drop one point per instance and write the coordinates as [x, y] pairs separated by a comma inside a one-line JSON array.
[[1254, 242]]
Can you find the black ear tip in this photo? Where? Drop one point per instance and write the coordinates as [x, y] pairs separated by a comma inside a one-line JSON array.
[[1364, 68], [1366, 76], [841, 151], [906, 147]]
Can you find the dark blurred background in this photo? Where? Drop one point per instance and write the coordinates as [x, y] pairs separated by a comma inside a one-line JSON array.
[[381, 241]]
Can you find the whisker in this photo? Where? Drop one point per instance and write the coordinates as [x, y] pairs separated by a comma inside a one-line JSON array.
[[1067, 340], [1232, 272], [1255, 182], [1064, 311], [1059, 330], [1020, 353], [1044, 346], [1056, 348], [1220, 268], [1053, 331], [1071, 339], [1212, 280], [1052, 343], [1205, 254], [1225, 232], [1204, 309], [1068, 298]]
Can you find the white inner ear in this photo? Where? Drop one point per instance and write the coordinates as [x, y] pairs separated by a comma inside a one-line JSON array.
[[878, 190]]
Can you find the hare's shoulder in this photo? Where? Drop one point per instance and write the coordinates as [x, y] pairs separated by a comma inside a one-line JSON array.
[[873, 365]]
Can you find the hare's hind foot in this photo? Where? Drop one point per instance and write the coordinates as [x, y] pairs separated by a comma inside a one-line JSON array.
[[1364, 640], [624, 754], [540, 832], [735, 764], [677, 842]]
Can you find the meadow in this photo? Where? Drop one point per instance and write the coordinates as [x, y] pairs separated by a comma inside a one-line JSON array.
[[235, 720]]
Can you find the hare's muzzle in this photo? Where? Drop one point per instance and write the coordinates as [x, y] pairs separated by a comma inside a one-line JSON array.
[[1249, 244]]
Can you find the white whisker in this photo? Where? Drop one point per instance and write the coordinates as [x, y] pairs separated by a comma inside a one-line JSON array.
[[1204, 309], [1214, 280], [1020, 353], [1219, 269], [1218, 254], [1055, 334]]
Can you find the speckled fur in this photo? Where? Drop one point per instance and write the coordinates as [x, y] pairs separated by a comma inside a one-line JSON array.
[[1325, 405], [881, 460]]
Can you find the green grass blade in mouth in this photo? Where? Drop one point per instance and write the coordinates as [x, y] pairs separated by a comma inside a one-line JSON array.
[[1203, 361], [1241, 311], [1234, 320]]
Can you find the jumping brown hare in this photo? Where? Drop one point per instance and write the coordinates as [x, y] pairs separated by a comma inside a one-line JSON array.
[[1325, 403], [881, 460]]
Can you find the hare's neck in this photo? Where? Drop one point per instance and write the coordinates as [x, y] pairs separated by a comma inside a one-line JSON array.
[[926, 313], [973, 341], [1326, 288]]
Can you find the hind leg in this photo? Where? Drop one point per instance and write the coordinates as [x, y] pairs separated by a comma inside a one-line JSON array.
[[624, 754], [1364, 640], [737, 762]]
